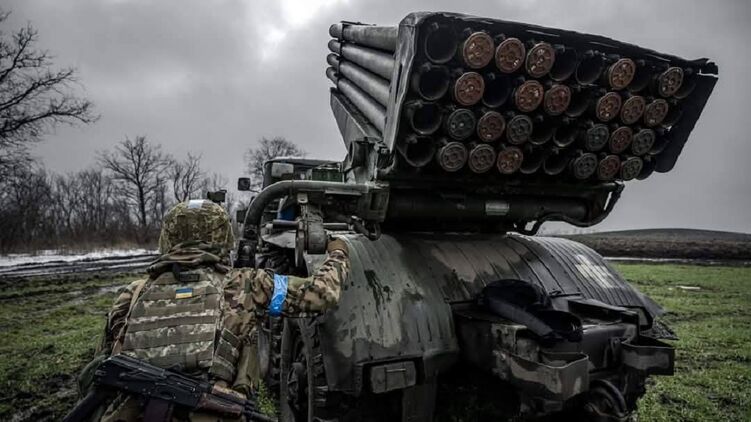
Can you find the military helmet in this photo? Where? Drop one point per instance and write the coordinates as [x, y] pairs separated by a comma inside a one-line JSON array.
[[196, 220]]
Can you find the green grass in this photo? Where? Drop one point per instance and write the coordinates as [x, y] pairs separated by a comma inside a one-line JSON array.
[[49, 332], [50, 329], [713, 359]]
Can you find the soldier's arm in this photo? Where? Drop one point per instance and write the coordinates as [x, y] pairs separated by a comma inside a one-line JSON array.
[[304, 294], [117, 315]]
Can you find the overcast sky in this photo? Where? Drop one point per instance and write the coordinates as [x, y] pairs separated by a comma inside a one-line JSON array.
[[212, 77]]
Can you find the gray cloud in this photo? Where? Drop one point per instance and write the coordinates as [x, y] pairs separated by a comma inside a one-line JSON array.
[[213, 76]]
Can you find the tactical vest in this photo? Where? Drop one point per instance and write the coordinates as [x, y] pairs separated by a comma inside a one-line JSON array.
[[178, 320]]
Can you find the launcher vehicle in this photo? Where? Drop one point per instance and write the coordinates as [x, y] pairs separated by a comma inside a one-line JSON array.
[[463, 136]]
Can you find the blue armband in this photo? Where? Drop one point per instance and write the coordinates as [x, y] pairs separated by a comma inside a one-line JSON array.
[[280, 293]]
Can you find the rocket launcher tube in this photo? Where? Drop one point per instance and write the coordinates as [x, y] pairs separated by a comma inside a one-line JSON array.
[[451, 155], [374, 85], [424, 117], [590, 67], [565, 64], [380, 37], [481, 157], [533, 160], [375, 112], [556, 162], [378, 62], [430, 82]]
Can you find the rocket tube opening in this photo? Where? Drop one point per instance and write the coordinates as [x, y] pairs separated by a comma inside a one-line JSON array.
[[497, 90], [557, 99], [621, 139], [608, 167], [468, 89], [632, 109], [596, 137], [460, 124], [490, 126], [532, 161], [688, 86], [608, 106], [641, 78], [425, 118], [452, 156], [528, 96], [542, 131], [431, 82], [518, 129], [509, 160], [440, 43], [555, 163], [477, 50], [655, 112], [509, 55], [621, 73], [565, 65], [540, 60], [417, 150], [565, 135], [647, 168], [481, 158], [580, 100], [584, 166], [659, 145], [631, 168], [643, 142], [590, 68], [670, 81]]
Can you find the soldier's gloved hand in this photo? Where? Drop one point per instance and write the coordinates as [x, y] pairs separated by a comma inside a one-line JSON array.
[[337, 245]]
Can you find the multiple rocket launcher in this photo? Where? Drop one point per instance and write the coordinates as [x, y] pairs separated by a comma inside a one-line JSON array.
[[502, 103]]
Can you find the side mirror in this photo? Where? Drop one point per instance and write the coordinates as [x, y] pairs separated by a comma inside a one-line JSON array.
[[243, 184], [217, 196]]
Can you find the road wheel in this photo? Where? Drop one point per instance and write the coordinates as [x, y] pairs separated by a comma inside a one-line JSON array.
[[303, 391]]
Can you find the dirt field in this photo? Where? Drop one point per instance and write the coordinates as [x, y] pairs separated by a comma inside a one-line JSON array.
[[670, 243], [50, 328]]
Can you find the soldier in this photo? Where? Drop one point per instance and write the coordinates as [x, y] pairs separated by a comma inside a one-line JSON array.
[[195, 313]]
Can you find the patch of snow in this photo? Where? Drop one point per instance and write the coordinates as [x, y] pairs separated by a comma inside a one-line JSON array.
[[52, 255]]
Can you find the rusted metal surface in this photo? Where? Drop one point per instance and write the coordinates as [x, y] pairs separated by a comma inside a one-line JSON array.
[[528, 96], [509, 56], [468, 89]]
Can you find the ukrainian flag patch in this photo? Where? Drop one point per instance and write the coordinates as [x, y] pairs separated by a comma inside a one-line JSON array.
[[184, 293]]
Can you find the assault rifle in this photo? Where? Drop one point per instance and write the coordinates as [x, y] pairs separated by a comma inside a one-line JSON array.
[[163, 389]]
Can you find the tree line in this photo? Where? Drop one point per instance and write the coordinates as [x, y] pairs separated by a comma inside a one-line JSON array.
[[121, 199]]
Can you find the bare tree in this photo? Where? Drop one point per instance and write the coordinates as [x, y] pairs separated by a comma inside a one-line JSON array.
[[266, 150], [186, 177], [137, 166], [34, 97], [25, 195]]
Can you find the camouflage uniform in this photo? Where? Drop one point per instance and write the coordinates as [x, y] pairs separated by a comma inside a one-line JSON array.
[[195, 312]]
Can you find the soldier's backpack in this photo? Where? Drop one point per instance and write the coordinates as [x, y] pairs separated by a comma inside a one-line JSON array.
[[177, 322]]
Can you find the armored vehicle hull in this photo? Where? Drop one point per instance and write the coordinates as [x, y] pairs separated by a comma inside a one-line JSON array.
[[409, 314]]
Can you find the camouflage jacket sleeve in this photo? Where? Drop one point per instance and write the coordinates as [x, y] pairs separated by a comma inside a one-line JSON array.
[[316, 293]]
